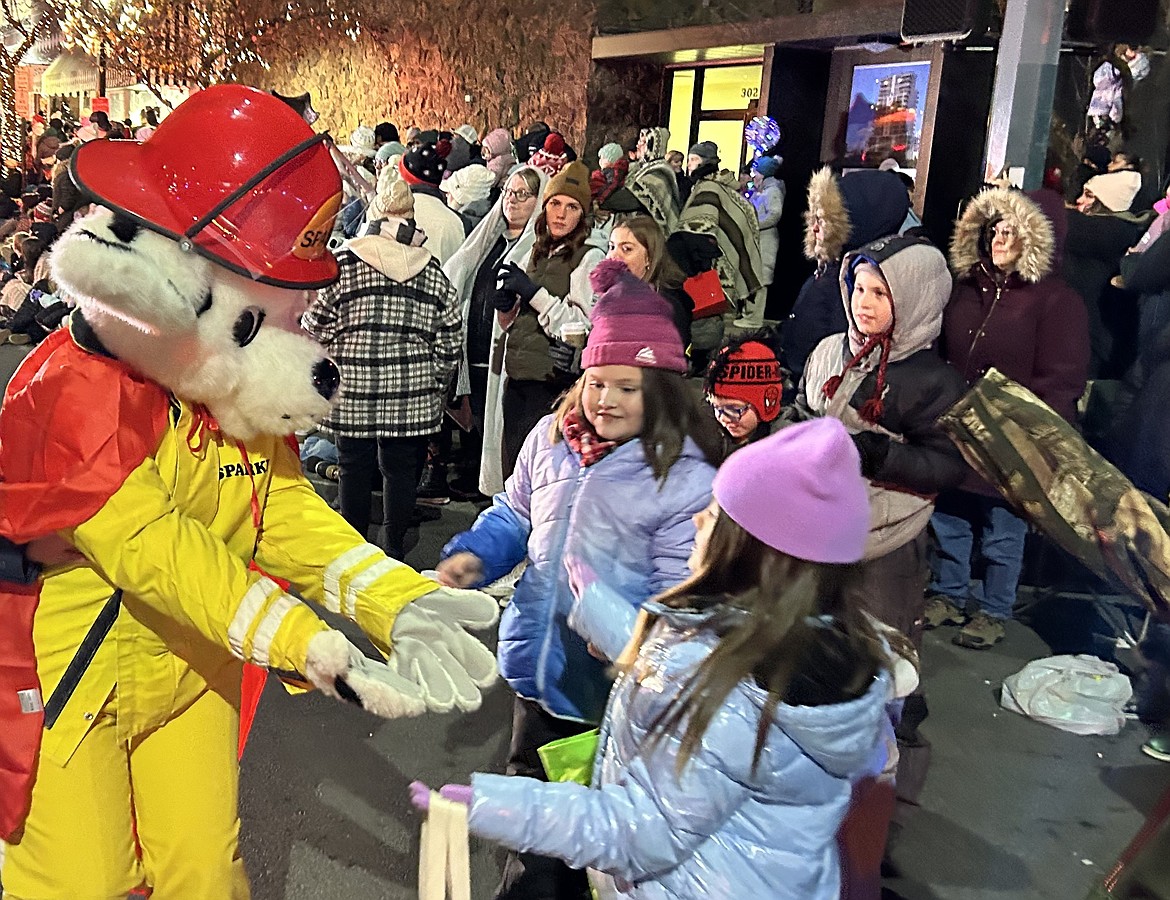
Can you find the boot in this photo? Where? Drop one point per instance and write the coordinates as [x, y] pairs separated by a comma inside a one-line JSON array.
[[981, 632], [432, 489]]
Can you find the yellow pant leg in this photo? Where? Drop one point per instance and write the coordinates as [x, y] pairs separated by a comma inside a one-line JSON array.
[[78, 840], [185, 778]]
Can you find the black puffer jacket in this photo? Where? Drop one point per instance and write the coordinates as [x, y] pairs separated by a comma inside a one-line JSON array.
[[919, 386], [1092, 256]]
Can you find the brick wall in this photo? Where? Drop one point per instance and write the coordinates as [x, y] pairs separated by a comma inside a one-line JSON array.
[[624, 95], [518, 61]]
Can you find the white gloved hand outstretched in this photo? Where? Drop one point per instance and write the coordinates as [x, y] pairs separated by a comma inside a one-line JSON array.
[[430, 647], [338, 668]]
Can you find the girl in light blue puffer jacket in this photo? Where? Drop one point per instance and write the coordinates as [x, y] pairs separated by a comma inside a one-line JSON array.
[[611, 482], [751, 696]]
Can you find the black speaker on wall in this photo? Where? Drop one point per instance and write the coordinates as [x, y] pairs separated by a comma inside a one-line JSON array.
[[1102, 21], [943, 20]]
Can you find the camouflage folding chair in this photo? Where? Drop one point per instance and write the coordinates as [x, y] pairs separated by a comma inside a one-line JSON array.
[[1064, 487]]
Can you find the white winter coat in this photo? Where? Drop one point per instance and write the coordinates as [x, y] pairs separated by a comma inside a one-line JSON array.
[[769, 204]]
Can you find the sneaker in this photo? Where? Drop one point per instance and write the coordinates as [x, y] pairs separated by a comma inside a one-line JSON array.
[[1158, 747], [941, 611], [19, 339], [433, 490], [980, 633]]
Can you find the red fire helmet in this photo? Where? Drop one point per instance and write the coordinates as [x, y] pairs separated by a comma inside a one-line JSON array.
[[233, 174]]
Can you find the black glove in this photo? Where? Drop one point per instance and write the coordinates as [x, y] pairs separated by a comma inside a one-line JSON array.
[[563, 355], [15, 566], [515, 280], [503, 301], [873, 448], [694, 253]]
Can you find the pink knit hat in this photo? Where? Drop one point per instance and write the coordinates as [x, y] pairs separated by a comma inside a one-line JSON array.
[[821, 512], [632, 324], [498, 142]]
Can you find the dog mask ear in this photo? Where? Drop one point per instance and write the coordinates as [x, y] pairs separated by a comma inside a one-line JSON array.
[[109, 261]]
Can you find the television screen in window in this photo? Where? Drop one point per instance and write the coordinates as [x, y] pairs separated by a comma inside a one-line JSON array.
[[886, 113]]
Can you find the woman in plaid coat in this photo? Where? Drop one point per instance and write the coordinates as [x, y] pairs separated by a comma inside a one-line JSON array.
[[391, 323]]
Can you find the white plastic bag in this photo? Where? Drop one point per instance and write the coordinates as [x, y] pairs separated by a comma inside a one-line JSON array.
[[1081, 694]]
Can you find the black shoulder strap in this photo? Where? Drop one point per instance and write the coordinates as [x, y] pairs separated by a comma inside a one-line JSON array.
[[82, 658]]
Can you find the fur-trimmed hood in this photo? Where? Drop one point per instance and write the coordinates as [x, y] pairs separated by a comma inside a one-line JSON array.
[[854, 209], [825, 201], [1035, 230]]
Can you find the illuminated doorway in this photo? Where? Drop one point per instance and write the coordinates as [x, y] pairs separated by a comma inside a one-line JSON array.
[[710, 103]]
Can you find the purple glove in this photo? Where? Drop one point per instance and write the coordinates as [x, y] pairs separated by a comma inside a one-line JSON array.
[[420, 794]]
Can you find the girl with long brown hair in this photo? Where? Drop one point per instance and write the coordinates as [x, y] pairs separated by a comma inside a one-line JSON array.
[[611, 481], [751, 696]]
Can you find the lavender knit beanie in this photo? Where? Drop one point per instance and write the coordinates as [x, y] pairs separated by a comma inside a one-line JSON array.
[[820, 512]]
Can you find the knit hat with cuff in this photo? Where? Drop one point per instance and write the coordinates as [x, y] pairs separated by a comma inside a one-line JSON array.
[[572, 181], [609, 154], [422, 165], [1115, 189], [393, 198], [707, 151], [388, 149], [824, 516], [749, 373], [632, 324]]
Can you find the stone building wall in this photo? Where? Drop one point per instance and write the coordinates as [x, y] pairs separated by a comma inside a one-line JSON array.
[[517, 61]]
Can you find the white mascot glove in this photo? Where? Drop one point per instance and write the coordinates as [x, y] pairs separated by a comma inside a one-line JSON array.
[[430, 647], [338, 668]]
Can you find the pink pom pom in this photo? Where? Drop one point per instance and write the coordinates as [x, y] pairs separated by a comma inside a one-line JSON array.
[[606, 274]]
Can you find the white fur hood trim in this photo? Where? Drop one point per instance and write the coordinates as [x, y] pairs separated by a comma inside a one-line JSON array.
[[1033, 227]]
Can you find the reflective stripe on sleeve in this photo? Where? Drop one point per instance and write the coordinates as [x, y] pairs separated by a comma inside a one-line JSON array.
[[262, 640], [363, 580], [341, 565], [246, 613]]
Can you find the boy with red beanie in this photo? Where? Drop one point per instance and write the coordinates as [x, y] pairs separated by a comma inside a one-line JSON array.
[[745, 385]]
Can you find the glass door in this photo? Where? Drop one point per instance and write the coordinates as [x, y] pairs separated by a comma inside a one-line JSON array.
[[710, 103]]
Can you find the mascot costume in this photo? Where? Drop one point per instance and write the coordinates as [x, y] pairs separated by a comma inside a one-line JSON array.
[[146, 458]]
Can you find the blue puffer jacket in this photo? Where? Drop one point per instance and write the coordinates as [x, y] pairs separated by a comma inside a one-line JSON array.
[[721, 831], [613, 517]]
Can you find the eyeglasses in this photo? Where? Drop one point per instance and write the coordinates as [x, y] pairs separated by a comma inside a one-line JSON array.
[[519, 196], [1007, 232], [731, 412]]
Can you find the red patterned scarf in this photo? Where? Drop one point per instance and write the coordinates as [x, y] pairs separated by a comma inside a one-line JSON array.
[[583, 440]]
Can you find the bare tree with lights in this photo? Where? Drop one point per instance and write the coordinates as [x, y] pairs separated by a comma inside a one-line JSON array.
[[23, 23], [192, 43]]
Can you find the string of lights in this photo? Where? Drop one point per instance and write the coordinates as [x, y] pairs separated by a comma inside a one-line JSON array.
[[24, 19], [193, 43]]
